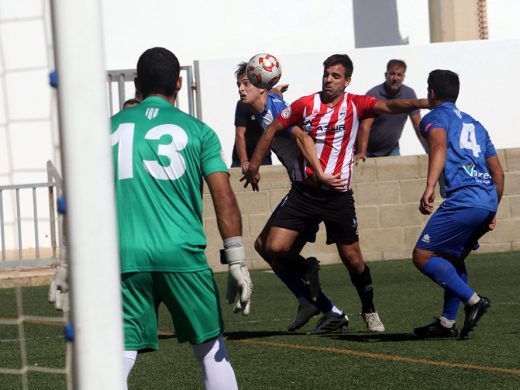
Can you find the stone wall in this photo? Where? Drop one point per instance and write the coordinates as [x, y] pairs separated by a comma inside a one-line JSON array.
[[387, 192]]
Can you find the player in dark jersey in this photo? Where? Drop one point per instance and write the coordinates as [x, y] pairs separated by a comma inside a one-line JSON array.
[[301, 276], [461, 150]]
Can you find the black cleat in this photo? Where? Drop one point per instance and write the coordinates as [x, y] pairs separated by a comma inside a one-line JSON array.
[[435, 330], [473, 314]]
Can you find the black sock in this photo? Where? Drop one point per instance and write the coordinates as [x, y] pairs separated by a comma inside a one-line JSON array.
[[363, 284]]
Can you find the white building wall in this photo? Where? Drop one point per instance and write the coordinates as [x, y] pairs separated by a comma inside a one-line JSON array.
[[232, 31]]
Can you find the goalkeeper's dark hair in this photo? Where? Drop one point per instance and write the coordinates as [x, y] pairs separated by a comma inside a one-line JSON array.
[[158, 70], [445, 84], [241, 69], [340, 59]]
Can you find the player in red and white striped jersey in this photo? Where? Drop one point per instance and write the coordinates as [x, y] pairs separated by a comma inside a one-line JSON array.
[[331, 118]]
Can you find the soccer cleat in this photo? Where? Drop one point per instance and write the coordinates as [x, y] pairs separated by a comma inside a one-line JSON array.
[[304, 313], [473, 315], [328, 324], [312, 277], [373, 322], [435, 330]]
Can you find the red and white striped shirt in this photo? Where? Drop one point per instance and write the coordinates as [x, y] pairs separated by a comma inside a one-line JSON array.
[[334, 130]]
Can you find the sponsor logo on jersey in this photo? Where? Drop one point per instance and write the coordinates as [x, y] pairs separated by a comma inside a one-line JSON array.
[[481, 177], [151, 112], [426, 238], [286, 113]]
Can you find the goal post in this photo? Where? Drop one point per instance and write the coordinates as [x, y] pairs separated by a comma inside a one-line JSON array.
[[89, 190]]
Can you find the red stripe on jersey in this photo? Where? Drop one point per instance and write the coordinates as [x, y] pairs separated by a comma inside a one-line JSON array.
[[332, 129], [328, 141], [348, 121]]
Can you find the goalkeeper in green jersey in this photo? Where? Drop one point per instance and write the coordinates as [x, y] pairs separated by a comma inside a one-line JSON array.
[[161, 155]]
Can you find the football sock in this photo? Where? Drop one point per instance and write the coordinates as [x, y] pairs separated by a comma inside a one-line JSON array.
[[128, 363], [217, 372], [442, 272], [446, 322], [473, 300], [334, 312], [451, 301], [363, 284]]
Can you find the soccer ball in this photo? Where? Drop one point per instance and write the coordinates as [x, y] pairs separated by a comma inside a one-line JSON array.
[[264, 71]]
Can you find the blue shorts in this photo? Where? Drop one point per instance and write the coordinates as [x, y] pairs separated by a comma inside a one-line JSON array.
[[454, 230]]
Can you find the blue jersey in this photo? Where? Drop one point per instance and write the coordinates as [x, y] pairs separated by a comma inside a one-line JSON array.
[[283, 145], [468, 146]]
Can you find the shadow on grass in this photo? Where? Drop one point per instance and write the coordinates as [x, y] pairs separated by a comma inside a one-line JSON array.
[[374, 337], [244, 335]]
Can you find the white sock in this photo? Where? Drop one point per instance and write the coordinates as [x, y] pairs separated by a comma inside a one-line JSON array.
[[474, 299], [128, 363], [445, 322], [334, 312], [217, 372]]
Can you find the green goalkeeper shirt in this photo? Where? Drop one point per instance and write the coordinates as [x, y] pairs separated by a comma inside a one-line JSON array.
[[160, 156]]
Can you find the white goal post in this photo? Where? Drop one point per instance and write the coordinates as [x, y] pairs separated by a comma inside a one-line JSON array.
[[89, 188]]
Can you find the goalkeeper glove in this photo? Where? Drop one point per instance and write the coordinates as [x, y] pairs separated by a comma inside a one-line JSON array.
[[239, 282], [59, 289]]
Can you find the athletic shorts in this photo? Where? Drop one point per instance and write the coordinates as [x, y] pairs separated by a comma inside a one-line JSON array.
[[454, 230], [310, 231], [307, 205], [191, 298]]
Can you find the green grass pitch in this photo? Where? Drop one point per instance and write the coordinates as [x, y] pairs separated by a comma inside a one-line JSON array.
[[266, 356]]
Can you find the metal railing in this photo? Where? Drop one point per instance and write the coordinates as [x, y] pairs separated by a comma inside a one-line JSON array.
[[124, 76], [16, 256]]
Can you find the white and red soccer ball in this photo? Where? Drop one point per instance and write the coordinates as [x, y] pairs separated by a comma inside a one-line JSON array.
[[264, 71]]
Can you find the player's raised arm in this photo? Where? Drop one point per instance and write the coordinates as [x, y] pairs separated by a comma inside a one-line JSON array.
[[399, 106], [262, 147]]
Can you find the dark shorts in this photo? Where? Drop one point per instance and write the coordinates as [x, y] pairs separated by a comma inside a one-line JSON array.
[[455, 230], [307, 206], [310, 231]]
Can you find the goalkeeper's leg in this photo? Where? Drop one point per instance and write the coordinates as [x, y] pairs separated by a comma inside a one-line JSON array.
[[128, 363], [217, 372]]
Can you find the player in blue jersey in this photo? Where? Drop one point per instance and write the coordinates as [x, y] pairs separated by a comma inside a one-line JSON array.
[[301, 276], [460, 150]]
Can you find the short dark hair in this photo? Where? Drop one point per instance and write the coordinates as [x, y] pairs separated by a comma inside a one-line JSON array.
[[158, 70], [445, 84], [340, 59], [394, 62], [130, 103], [241, 69]]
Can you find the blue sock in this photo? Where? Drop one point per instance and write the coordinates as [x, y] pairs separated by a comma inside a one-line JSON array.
[[443, 273], [451, 302]]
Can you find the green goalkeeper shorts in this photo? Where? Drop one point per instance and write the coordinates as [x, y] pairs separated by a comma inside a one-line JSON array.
[[191, 298]]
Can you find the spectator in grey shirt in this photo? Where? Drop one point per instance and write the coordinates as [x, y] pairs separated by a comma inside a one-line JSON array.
[[380, 136]]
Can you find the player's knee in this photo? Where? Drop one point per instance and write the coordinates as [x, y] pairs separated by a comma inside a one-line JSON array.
[[419, 257], [259, 246]]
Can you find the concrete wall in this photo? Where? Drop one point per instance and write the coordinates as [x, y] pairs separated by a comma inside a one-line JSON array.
[[387, 192]]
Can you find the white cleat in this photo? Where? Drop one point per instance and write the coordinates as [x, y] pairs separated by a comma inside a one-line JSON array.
[[373, 322]]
